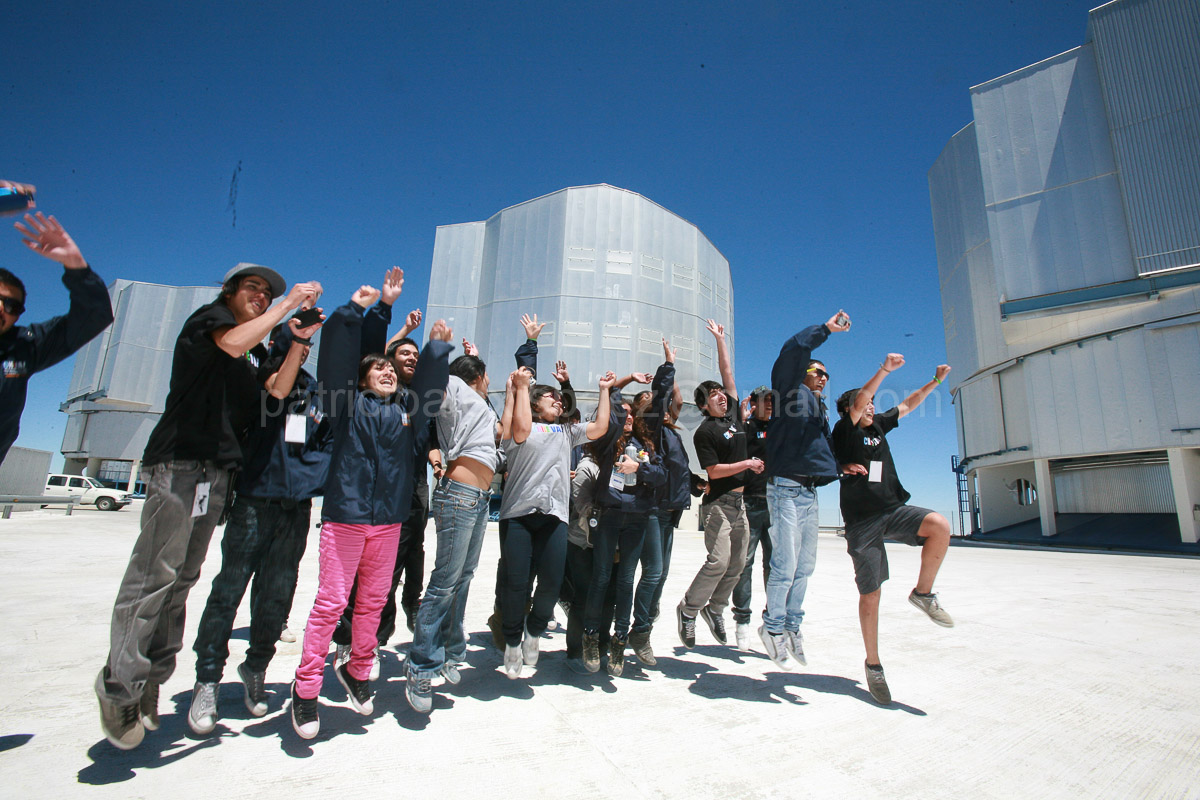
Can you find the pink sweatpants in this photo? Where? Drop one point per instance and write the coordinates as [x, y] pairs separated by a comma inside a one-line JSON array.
[[368, 551]]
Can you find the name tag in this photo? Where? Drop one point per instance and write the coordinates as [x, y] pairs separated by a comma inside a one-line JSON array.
[[200, 503], [294, 431], [617, 481], [875, 472]]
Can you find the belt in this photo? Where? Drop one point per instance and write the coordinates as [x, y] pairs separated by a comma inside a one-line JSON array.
[[807, 481]]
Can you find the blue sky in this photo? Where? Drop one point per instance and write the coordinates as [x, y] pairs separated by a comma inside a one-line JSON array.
[[797, 136]]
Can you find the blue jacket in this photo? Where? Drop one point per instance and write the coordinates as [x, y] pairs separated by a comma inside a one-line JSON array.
[[675, 493], [278, 470], [375, 440], [25, 350], [798, 444], [642, 497]]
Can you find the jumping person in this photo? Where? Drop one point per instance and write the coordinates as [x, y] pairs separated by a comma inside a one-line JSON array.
[[799, 459], [377, 432], [874, 507], [756, 414]]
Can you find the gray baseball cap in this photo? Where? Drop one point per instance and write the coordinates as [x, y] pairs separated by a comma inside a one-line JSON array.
[[273, 278]]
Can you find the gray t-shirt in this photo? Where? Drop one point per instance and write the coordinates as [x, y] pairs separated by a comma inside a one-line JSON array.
[[539, 471], [466, 426]]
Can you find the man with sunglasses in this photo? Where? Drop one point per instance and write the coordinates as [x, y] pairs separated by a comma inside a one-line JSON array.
[[799, 459], [25, 350]]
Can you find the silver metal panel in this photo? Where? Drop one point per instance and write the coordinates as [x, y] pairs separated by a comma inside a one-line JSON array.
[[1132, 489], [1014, 406], [979, 406], [1148, 52], [1049, 177], [24, 471]]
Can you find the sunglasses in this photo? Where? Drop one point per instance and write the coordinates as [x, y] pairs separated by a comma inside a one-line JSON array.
[[820, 372], [12, 305]]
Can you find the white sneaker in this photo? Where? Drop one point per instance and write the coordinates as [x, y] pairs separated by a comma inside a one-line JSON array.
[[795, 644], [376, 666], [342, 656], [512, 661], [286, 636], [202, 716], [529, 649], [741, 633]]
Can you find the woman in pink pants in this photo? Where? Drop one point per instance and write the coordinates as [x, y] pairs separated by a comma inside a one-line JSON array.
[[376, 432]]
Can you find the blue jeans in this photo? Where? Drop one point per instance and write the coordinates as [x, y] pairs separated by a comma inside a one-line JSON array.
[[793, 534], [626, 529], [668, 521], [759, 519], [649, 585], [460, 515]]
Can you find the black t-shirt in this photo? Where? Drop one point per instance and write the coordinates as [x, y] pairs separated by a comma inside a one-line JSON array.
[[722, 440], [214, 398], [862, 497], [756, 447]]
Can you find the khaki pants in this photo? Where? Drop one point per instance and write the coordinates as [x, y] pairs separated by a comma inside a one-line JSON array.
[[726, 533]]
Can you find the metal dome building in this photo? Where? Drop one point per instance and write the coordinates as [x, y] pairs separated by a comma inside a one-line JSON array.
[[1067, 225], [609, 271]]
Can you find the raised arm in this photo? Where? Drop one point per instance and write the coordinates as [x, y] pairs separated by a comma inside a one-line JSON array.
[[238, 339], [569, 401], [432, 374], [521, 411], [280, 384], [337, 361], [527, 352], [723, 362], [788, 372], [893, 362], [600, 425], [916, 398]]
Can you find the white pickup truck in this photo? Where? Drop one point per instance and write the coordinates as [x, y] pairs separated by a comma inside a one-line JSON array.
[[89, 491]]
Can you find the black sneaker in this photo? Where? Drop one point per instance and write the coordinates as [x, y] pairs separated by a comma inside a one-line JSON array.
[[591, 651], [686, 626], [148, 706], [256, 689], [305, 720], [358, 691], [716, 624], [410, 618]]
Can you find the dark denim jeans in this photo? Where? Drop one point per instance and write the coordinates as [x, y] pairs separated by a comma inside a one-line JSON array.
[[668, 521], [264, 539], [535, 544], [650, 583], [621, 529], [579, 564], [759, 517], [410, 561]]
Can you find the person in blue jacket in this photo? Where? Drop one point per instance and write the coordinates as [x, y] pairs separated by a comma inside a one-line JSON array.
[[376, 433], [25, 350], [799, 459]]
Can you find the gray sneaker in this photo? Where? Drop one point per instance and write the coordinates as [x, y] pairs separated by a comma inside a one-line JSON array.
[[616, 656], [795, 645], [512, 661], [202, 716], [929, 604], [451, 674], [877, 686], [775, 645], [640, 642], [342, 656], [376, 665], [120, 723], [256, 690], [148, 706], [419, 692], [530, 649]]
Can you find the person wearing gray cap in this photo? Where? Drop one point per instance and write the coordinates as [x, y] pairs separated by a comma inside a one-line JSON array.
[[217, 374]]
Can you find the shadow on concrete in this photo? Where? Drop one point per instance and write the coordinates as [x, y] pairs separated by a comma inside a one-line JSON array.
[[836, 684], [14, 740]]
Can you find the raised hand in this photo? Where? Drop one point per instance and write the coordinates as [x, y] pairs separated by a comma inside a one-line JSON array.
[[641, 377], [365, 296], [46, 237], [609, 380], [413, 320], [942, 372], [716, 329], [519, 378], [470, 349], [440, 332], [307, 331], [393, 284], [560, 373], [839, 322], [303, 294], [532, 326], [894, 361], [668, 351]]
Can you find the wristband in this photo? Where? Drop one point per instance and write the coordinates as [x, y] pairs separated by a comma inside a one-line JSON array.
[[939, 380], [302, 340], [885, 369]]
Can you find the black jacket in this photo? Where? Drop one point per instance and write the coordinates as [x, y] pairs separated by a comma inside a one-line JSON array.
[[642, 497], [798, 444], [25, 350]]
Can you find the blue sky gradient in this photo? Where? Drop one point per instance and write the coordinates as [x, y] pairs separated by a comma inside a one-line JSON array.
[[796, 136]]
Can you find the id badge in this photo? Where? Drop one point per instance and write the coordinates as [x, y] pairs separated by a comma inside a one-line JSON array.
[[617, 481], [294, 430], [200, 503], [875, 473]]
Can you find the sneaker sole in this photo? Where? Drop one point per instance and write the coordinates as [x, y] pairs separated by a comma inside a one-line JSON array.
[[256, 709], [933, 619], [363, 708]]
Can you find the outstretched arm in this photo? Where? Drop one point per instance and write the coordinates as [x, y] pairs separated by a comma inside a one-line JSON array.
[[723, 362], [280, 384], [522, 412], [599, 426], [916, 398], [893, 362]]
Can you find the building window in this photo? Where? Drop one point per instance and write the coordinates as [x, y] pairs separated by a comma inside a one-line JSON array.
[[1023, 492]]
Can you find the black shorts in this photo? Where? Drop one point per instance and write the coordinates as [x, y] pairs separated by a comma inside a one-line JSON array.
[[864, 542]]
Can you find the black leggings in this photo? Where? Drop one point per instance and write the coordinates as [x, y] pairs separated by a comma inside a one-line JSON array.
[[535, 544]]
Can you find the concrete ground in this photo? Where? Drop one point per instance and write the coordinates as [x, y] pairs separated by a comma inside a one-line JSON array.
[[1068, 675]]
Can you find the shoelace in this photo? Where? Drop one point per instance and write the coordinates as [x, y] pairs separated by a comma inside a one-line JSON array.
[[306, 710], [207, 702], [424, 685], [689, 626], [129, 716]]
